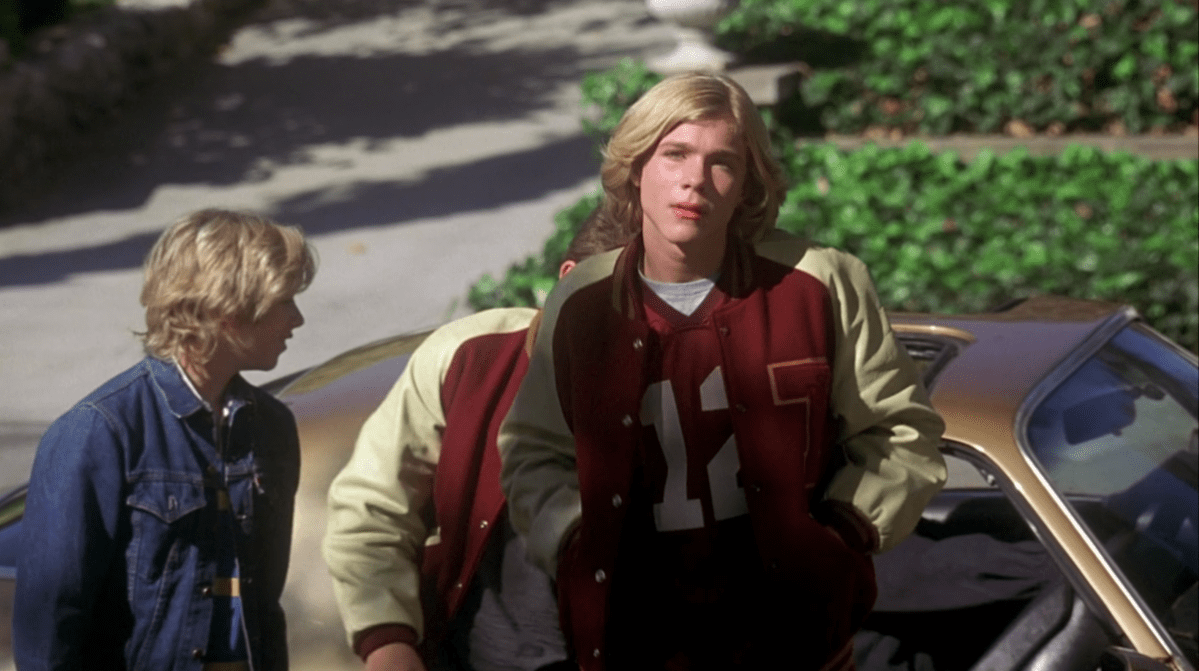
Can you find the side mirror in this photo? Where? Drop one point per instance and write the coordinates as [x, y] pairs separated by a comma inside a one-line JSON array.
[[1123, 659]]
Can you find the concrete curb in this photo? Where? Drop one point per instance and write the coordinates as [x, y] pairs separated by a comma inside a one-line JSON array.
[[1163, 147], [80, 73]]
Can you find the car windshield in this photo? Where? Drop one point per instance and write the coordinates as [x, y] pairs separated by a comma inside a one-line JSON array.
[[1119, 438]]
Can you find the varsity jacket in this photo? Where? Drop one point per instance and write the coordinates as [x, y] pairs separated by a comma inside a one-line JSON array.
[[428, 448], [830, 418]]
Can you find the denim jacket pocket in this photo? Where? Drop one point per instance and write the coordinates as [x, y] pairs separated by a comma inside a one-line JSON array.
[[167, 500], [163, 523], [166, 521]]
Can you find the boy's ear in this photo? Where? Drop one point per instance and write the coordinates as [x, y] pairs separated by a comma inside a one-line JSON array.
[[566, 267]]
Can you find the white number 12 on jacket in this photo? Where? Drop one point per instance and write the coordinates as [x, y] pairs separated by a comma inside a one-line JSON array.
[[676, 512]]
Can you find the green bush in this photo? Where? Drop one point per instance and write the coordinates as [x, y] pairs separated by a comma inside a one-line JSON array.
[[528, 282], [608, 93], [976, 65], [941, 235]]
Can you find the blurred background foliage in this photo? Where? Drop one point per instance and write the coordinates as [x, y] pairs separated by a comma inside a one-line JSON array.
[[19, 19], [981, 66], [941, 234]]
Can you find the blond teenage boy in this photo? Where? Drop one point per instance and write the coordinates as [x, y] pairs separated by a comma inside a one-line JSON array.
[[158, 521], [717, 427]]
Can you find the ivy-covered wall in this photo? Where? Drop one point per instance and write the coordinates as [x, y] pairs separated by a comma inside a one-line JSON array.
[[983, 65]]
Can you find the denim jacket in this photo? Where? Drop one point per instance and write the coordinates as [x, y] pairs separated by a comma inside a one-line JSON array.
[[120, 529]]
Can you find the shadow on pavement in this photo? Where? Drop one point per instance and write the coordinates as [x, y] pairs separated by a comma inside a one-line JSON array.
[[224, 124], [474, 186]]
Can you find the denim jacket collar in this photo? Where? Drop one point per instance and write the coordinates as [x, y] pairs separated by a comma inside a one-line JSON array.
[[179, 395]]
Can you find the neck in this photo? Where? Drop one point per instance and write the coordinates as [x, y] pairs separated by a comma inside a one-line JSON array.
[[209, 378], [668, 262]]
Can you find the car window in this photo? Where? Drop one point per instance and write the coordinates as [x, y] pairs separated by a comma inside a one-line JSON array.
[[963, 475], [1119, 439]]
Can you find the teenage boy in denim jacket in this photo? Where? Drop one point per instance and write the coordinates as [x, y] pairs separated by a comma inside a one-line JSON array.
[[158, 520]]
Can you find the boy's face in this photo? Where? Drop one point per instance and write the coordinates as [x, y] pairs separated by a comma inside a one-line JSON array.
[[692, 183], [266, 338]]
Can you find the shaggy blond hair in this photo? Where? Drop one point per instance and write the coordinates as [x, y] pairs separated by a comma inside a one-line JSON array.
[[216, 265], [686, 98]]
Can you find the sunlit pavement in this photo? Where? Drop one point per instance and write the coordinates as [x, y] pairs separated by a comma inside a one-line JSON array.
[[420, 145]]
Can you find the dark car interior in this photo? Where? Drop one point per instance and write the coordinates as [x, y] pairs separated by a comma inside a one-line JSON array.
[[974, 589]]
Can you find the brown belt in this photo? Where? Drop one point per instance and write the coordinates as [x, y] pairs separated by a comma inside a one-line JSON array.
[[226, 587]]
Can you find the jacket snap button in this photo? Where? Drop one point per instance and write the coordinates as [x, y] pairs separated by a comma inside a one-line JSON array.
[[483, 524], [724, 330], [197, 653], [638, 344], [595, 653], [458, 585], [206, 590], [757, 488], [740, 408], [627, 420], [616, 500], [600, 576]]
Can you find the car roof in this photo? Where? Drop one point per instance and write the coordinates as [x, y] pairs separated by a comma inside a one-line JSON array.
[[984, 366], [989, 363]]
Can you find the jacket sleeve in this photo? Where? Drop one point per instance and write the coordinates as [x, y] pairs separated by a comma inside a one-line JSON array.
[[539, 474], [890, 432], [376, 530], [69, 539]]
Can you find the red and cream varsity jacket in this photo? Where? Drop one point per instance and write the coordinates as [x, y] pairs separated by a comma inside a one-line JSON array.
[[432, 440], [829, 414]]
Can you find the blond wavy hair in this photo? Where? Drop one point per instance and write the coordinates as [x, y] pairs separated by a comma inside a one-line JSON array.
[[686, 98], [216, 265]]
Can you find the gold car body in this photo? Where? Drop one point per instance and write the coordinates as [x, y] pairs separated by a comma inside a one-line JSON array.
[[1005, 362], [997, 366], [991, 370]]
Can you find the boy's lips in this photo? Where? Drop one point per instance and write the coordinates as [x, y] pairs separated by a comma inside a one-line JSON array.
[[688, 210]]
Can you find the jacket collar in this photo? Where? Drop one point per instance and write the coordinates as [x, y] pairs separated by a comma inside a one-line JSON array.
[[736, 275], [179, 395]]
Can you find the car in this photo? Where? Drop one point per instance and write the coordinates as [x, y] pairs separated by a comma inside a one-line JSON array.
[[1065, 538]]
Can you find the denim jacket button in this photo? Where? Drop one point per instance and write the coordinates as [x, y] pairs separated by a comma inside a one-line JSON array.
[[197, 653], [206, 590]]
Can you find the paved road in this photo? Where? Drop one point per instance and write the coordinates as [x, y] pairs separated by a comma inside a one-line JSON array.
[[421, 144]]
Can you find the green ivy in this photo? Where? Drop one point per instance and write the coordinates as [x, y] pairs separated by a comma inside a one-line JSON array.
[[528, 282], [977, 65], [942, 235], [607, 94]]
